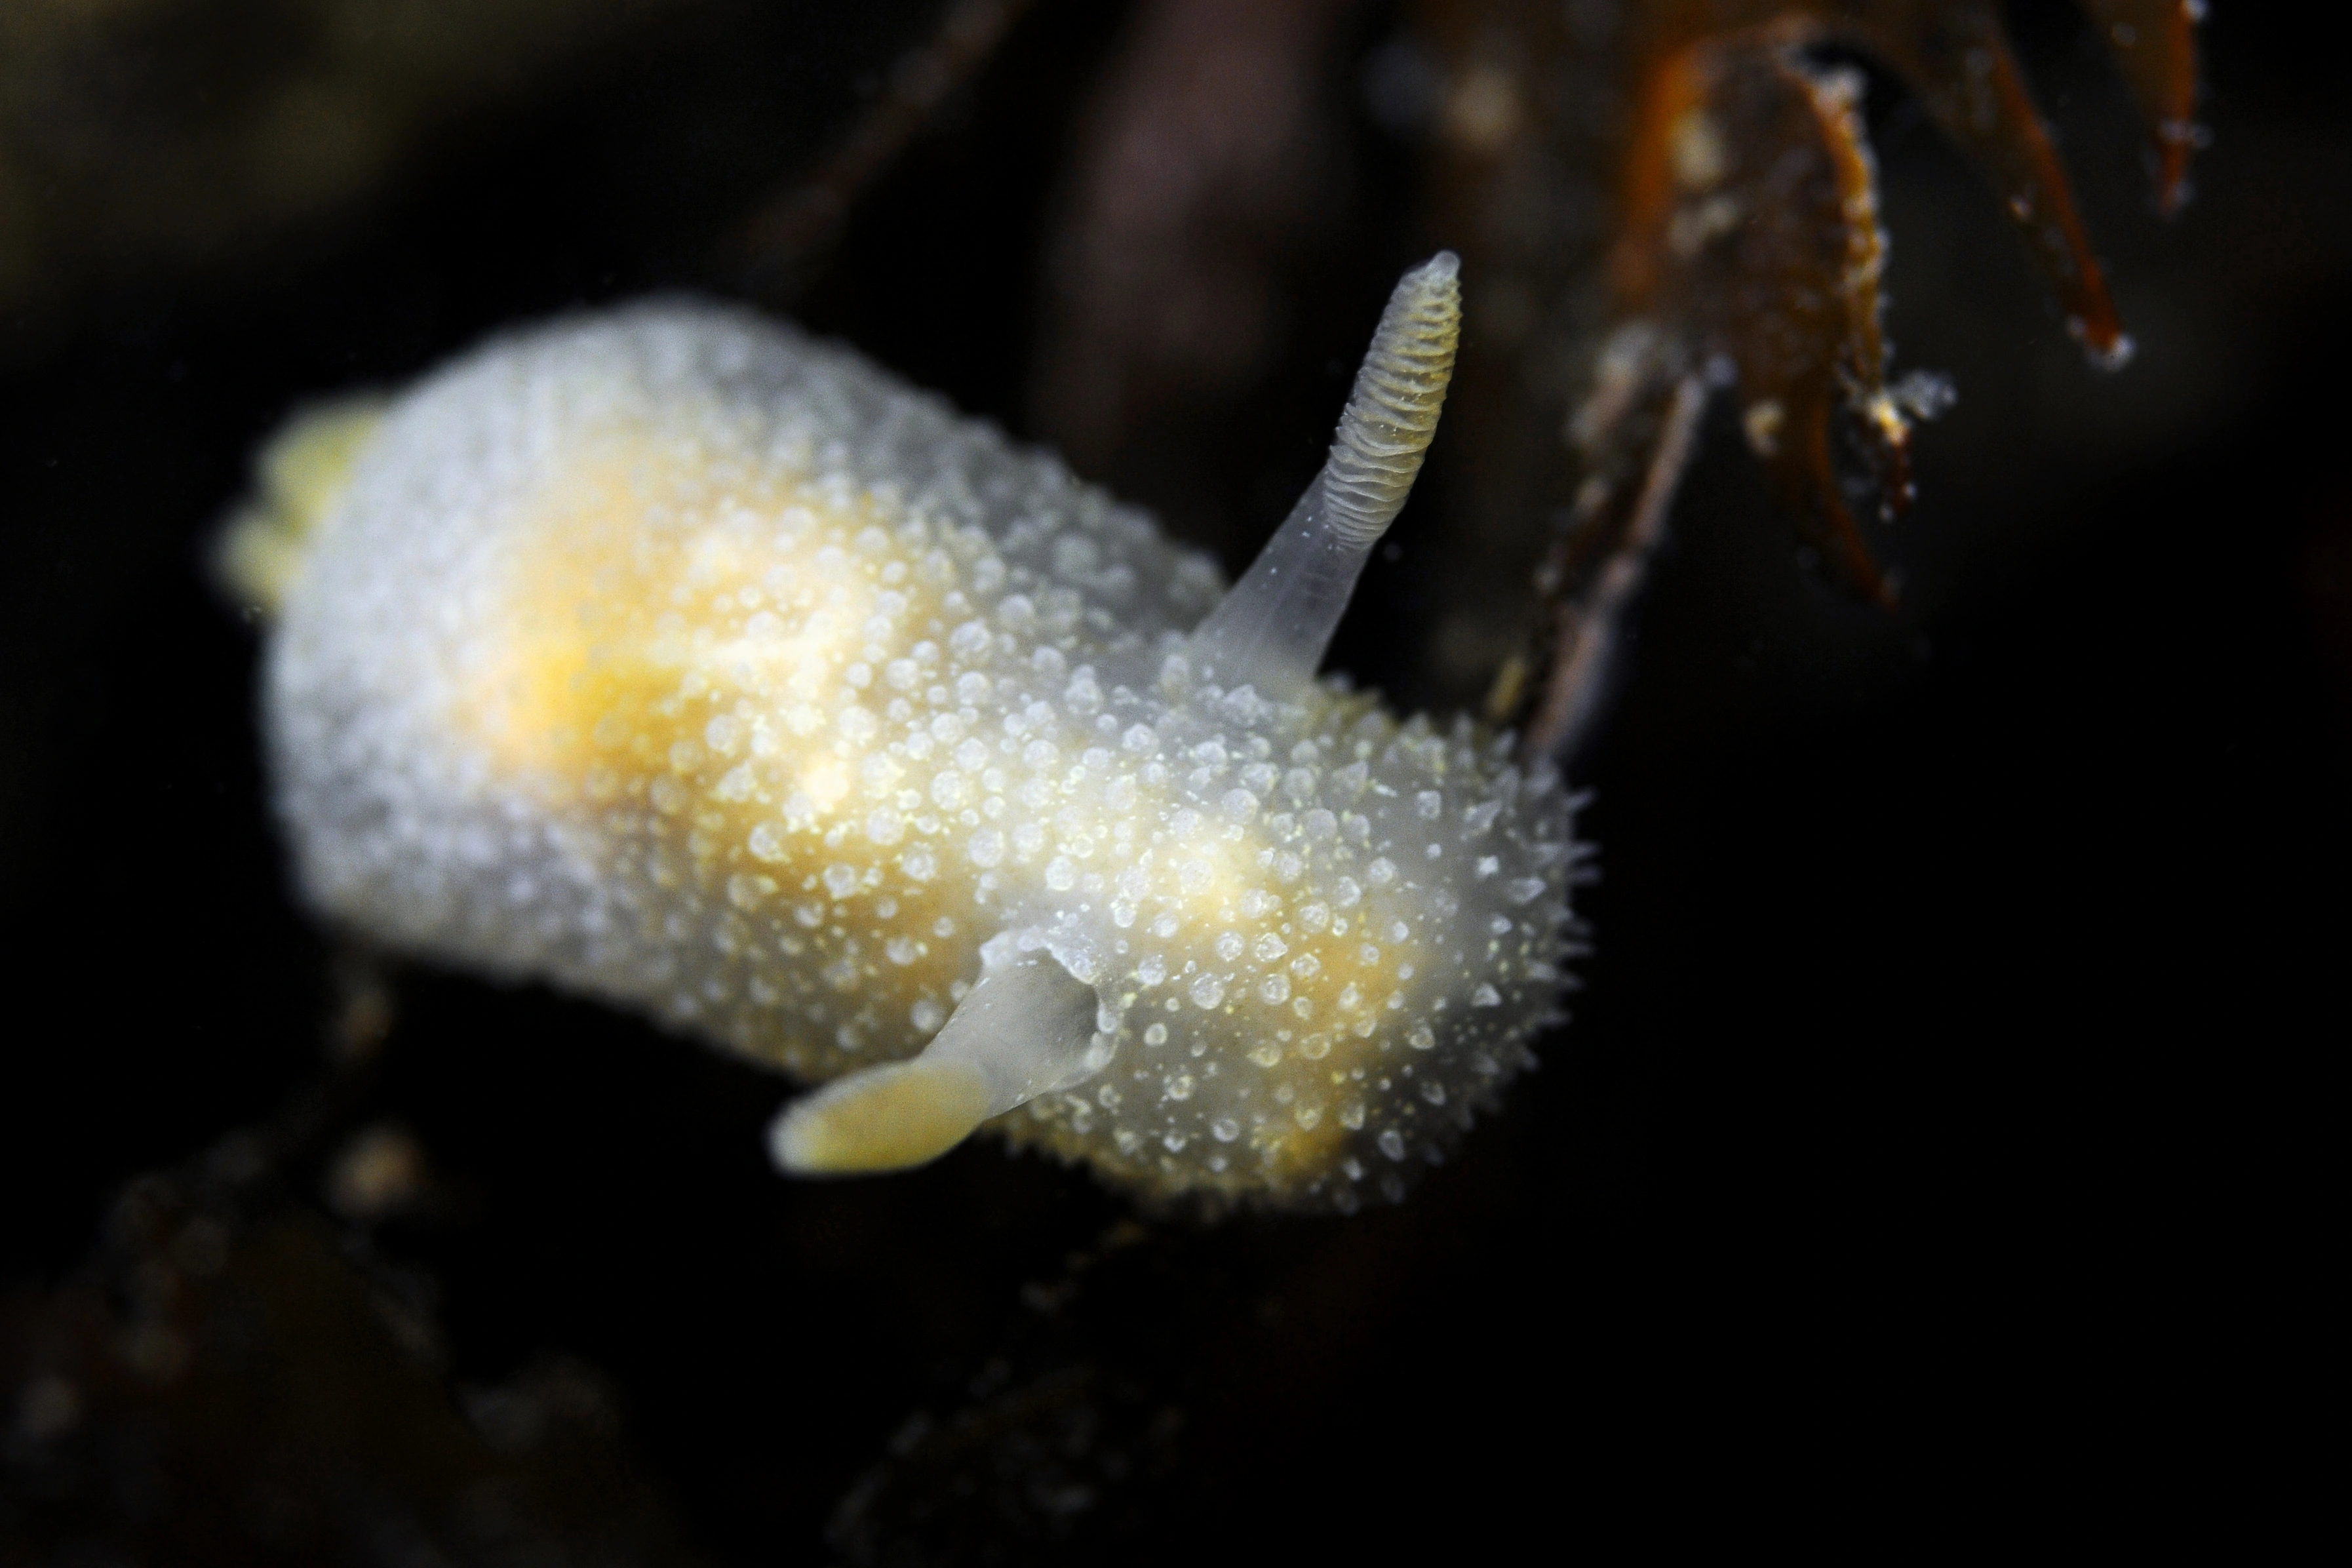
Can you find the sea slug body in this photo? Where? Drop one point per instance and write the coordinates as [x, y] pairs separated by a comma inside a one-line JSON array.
[[668, 656]]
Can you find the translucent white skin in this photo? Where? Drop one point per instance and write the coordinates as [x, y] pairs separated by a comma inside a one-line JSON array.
[[667, 656]]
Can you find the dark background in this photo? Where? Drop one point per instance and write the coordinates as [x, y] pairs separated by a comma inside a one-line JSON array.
[[1942, 1090]]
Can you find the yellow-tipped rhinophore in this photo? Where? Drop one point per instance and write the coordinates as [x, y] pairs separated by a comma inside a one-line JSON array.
[[887, 1117], [1269, 634]]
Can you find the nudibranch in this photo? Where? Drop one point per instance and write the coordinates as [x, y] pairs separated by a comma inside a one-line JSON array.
[[669, 656]]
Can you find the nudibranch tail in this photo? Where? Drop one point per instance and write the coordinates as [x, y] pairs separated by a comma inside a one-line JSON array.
[[1023, 1029], [1271, 630]]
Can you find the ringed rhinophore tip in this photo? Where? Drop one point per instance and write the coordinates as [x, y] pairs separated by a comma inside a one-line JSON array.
[[1393, 413], [1024, 1029], [1271, 630]]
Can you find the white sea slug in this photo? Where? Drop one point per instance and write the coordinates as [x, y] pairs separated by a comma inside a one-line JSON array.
[[668, 656]]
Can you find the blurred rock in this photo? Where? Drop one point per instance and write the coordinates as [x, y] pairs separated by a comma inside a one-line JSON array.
[[224, 1383]]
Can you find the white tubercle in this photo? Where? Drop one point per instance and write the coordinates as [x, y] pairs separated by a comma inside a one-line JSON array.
[[1270, 632], [1025, 1028]]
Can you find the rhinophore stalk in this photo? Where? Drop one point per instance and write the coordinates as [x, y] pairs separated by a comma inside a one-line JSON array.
[[1271, 630]]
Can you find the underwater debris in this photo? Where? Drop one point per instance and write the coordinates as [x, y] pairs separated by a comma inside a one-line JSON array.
[[1657, 203], [1718, 230]]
